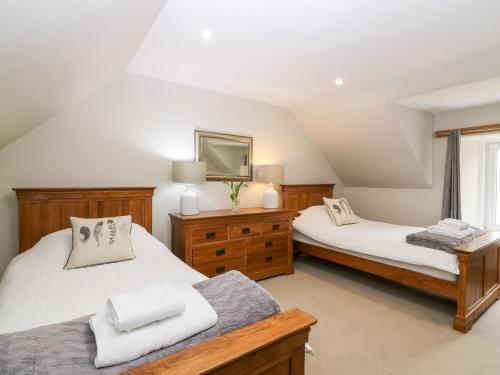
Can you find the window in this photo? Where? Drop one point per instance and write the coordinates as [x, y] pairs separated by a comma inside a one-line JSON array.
[[492, 182]]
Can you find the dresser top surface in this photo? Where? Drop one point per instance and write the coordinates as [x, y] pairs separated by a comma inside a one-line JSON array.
[[230, 213]]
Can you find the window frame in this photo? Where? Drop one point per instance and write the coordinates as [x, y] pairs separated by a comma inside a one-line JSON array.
[[492, 153]]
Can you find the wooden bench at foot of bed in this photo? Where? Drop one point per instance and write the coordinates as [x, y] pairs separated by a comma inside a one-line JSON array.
[[272, 346], [478, 284]]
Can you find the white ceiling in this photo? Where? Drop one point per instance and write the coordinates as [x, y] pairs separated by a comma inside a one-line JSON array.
[[53, 53], [468, 95], [285, 52], [289, 52]]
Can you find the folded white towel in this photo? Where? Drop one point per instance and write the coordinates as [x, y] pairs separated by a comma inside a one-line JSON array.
[[459, 224], [115, 347], [449, 231], [136, 309]]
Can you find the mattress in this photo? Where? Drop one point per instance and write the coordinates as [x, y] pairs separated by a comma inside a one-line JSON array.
[[382, 242], [36, 290], [411, 267]]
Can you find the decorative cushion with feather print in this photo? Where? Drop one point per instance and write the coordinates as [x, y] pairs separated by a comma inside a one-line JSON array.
[[340, 212], [100, 241]]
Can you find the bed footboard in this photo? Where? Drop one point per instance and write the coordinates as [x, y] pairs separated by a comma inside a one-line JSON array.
[[272, 346], [479, 279]]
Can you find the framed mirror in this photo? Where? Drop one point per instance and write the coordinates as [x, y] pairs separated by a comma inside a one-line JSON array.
[[228, 157]]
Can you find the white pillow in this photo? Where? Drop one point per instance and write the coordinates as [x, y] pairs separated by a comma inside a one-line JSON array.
[[100, 241], [340, 212]]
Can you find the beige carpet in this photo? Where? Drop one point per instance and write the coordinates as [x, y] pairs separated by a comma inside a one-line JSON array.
[[368, 325]]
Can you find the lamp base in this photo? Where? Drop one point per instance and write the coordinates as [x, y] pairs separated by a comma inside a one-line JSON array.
[[189, 201], [270, 197]]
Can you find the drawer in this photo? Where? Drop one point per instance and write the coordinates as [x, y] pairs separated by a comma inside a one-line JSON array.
[[245, 230], [218, 252], [278, 226], [217, 268], [267, 258], [267, 244], [209, 234]]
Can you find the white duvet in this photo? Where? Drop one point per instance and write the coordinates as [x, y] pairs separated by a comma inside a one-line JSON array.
[[37, 291], [373, 238]]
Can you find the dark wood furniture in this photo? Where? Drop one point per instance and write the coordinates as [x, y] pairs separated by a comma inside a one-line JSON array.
[[471, 130], [477, 287], [46, 210], [299, 197], [255, 241], [272, 346]]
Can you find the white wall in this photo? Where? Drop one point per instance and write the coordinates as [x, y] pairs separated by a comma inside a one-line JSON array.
[[127, 134], [422, 207], [369, 141], [55, 53], [472, 186], [419, 207]]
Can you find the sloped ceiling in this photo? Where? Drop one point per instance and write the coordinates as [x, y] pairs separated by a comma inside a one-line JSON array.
[[283, 52], [290, 52], [467, 95], [53, 53]]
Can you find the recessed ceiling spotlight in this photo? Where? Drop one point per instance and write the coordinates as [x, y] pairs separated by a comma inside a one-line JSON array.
[[339, 81], [206, 34]]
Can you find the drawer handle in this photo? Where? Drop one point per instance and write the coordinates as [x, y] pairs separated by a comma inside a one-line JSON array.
[[220, 269], [269, 244], [276, 227], [210, 235], [245, 230], [220, 252], [269, 258]]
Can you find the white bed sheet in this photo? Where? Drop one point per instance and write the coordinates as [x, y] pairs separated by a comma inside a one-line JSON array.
[[37, 291], [372, 238], [420, 269]]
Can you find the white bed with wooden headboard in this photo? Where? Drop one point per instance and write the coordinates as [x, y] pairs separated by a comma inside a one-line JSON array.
[[40, 292], [471, 276], [36, 290]]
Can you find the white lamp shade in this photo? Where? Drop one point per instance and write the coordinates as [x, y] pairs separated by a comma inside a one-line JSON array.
[[189, 172], [270, 173]]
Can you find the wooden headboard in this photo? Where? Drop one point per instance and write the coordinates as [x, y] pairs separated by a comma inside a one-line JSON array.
[[46, 210], [300, 197]]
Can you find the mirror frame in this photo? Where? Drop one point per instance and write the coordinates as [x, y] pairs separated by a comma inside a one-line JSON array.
[[198, 134]]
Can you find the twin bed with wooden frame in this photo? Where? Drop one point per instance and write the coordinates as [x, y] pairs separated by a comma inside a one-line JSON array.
[[478, 283], [272, 346]]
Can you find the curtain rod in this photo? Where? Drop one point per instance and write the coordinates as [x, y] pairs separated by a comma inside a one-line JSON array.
[[479, 129]]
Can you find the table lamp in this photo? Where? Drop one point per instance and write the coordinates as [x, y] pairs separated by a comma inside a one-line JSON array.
[[190, 173], [271, 175]]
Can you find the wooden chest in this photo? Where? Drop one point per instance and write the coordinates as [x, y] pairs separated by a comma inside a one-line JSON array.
[[255, 241]]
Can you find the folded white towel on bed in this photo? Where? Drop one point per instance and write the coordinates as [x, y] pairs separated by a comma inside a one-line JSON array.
[[459, 224], [449, 231], [115, 347], [136, 309]]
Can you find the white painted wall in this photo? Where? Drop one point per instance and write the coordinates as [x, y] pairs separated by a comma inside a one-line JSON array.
[[370, 142], [127, 133], [422, 207], [54, 53], [419, 207], [472, 186]]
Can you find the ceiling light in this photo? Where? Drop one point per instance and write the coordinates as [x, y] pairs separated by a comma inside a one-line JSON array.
[[339, 81], [206, 34]]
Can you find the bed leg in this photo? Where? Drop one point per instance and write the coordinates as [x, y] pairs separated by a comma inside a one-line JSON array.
[[460, 323]]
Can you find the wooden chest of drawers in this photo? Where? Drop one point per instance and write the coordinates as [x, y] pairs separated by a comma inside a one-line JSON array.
[[255, 241]]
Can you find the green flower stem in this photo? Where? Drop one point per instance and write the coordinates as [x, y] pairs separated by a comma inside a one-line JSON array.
[[235, 189]]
